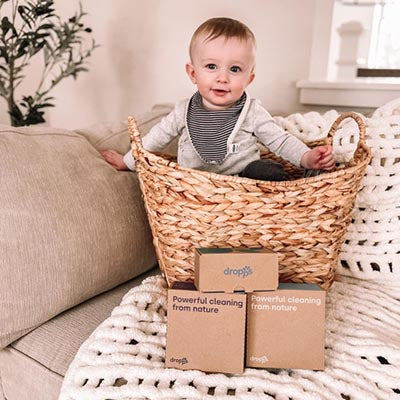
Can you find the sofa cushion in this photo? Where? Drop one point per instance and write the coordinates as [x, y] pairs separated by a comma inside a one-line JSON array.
[[115, 135], [71, 226], [32, 368]]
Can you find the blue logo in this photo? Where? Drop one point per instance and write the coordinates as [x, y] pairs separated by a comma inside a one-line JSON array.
[[239, 272], [181, 361]]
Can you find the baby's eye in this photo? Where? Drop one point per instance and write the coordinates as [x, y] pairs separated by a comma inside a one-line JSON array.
[[235, 68], [211, 66]]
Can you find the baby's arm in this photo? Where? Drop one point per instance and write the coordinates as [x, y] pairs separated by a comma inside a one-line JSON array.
[[288, 146], [159, 136], [275, 138], [320, 157], [115, 159]]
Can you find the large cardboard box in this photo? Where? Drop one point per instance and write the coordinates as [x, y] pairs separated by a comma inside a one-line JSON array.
[[205, 331], [286, 327], [229, 270]]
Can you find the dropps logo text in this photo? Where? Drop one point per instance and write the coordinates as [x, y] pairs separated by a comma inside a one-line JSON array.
[[261, 359], [181, 361], [239, 272]]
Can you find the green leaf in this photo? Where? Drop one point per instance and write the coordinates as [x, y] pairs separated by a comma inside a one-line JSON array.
[[81, 69], [22, 48], [41, 35], [5, 25], [3, 90], [3, 54], [40, 11], [46, 27], [17, 118], [23, 11], [34, 117], [44, 105]]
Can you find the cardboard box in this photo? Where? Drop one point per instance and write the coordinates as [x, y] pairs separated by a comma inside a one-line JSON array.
[[205, 331], [229, 270], [286, 327]]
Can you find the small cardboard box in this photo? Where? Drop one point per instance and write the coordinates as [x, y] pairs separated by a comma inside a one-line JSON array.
[[286, 327], [228, 269], [205, 331]]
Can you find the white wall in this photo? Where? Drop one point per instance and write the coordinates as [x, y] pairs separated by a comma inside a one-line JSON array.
[[144, 50]]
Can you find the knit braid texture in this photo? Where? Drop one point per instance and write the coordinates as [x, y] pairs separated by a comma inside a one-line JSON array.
[[124, 357]]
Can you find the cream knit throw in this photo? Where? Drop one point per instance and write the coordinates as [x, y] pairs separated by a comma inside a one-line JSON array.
[[124, 356], [372, 244]]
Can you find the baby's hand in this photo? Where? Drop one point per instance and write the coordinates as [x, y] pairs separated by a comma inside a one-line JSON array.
[[320, 157], [115, 159]]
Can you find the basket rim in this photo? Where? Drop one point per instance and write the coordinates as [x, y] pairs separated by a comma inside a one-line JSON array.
[[158, 158]]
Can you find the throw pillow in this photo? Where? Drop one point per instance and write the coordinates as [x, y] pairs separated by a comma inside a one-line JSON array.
[[71, 226]]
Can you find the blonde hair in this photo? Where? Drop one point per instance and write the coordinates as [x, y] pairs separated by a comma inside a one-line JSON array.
[[222, 26]]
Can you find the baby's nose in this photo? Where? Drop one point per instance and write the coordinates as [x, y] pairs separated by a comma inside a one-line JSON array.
[[222, 76]]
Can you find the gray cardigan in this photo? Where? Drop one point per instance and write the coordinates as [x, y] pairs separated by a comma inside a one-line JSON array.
[[254, 124]]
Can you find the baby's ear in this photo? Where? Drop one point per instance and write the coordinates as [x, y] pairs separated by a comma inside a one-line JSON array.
[[191, 72], [251, 78]]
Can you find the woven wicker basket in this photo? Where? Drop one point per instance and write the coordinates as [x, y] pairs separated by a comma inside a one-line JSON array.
[[304, 219]]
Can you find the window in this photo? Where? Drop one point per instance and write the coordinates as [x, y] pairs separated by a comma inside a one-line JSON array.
[[384, 51], [372, 30], [355, 58]]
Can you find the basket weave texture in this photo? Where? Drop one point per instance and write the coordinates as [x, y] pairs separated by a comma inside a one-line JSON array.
[[304, 220]]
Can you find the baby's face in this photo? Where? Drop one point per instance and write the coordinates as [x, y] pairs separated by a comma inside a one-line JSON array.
[[222, 69]]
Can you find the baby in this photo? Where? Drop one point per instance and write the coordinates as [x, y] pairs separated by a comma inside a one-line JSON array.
[[220, 125]]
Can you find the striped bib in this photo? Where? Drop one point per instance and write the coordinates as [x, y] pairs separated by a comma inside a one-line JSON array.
[[209, 130]]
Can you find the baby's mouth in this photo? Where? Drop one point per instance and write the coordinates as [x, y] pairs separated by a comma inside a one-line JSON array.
[[220, 92]]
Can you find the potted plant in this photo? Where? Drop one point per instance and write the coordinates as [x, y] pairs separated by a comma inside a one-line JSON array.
[[29, 29]]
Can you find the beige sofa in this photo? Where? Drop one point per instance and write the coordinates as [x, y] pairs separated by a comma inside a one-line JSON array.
[[74, 239]]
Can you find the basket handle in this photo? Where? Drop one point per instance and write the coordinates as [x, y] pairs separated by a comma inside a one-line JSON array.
[[361, 127], [136, 139]]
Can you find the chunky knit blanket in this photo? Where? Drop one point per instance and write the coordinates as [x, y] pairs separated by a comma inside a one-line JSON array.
[[372, 244], [124, 357]]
